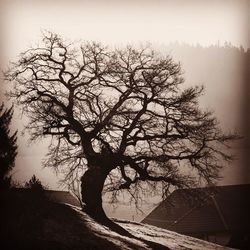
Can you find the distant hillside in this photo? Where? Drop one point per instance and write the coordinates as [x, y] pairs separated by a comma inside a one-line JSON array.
[[30, 221], [222, 70]]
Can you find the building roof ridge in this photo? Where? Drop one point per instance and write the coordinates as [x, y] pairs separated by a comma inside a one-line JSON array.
[[219, 211]]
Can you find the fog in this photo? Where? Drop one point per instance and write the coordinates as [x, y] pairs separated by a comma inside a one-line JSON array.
[[209, 38]]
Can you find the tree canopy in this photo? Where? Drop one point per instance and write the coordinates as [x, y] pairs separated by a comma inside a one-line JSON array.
[[120, 113]]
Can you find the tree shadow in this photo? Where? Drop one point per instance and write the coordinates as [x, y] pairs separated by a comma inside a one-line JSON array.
[[123, 232], [30, 221]]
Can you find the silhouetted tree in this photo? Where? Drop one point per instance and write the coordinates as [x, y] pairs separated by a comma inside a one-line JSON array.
[[122, 116], [34, 184], [8, 147]]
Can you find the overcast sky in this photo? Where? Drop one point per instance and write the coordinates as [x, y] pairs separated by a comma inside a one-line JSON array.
[[117, 23]]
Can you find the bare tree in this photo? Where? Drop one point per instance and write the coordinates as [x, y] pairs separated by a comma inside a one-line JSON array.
[[117, 113]]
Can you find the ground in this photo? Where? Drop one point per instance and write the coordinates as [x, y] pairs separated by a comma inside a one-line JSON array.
[[29, 222]]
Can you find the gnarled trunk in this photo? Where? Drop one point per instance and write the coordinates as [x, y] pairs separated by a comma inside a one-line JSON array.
[[92, 183]]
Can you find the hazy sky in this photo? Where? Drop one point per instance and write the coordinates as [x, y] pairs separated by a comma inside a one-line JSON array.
[[115, 22]]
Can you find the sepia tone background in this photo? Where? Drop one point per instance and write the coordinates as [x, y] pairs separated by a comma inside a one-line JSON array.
[[209, 38]]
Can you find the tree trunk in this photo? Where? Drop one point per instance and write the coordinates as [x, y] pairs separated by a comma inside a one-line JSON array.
[[92, 183]]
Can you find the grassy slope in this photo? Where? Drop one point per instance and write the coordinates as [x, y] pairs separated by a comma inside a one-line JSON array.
[[32, 222]]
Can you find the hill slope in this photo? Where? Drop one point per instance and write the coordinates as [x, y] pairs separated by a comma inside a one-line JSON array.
[[32, 222]]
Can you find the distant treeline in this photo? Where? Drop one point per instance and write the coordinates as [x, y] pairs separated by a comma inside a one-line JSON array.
[[222, 69]]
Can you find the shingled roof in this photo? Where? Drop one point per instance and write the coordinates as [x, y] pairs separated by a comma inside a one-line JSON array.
[[54, 195], [226, 208], [62, 197]]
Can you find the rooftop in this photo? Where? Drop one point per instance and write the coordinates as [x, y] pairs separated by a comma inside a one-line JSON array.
[[225, 208]]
